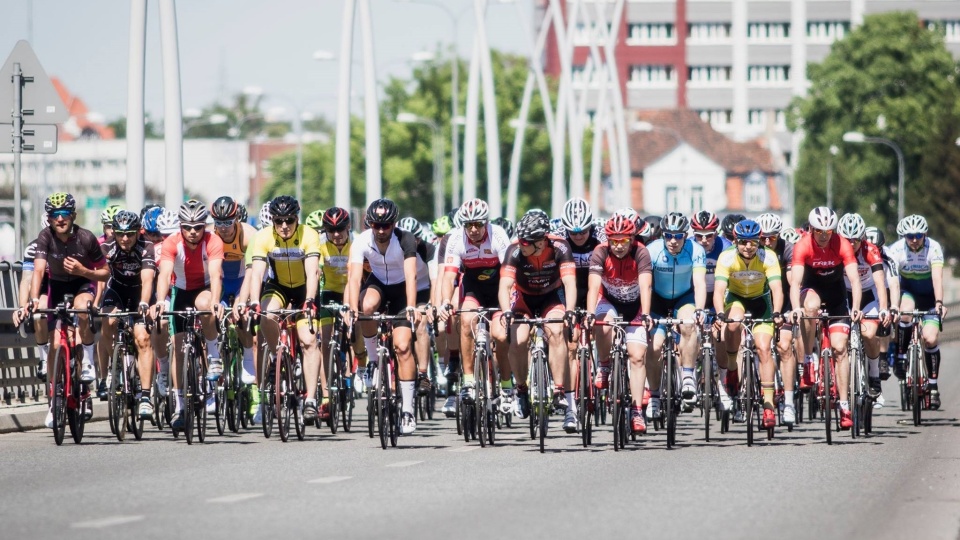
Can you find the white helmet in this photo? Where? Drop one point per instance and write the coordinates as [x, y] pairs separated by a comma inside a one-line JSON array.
[[577, 215], [770, 223], [266, 219], [168, 222], [473, 210], [822, 218], [628, 213], [790, 235], [852, 227], [912, 224]]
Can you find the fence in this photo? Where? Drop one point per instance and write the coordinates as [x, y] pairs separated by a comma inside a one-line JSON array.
[[18, 354]]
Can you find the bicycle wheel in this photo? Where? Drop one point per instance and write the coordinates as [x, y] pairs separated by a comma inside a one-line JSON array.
[[244, 397], [231, 393], [855, 390], [383, 401], [347, 403], [203, 392], [916, 394], [543, 390], [159, 404], [584, 401], [826, 364], [282, 386], [220, 409], [707, 399], [136, 422], [481, 400], [334, 385], [747, 393], [58, 394], [115, 397], [267, 412], [189, 386], [671, 407], [619, 412]]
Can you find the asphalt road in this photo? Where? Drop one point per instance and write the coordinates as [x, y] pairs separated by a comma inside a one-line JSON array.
[[904, 482]]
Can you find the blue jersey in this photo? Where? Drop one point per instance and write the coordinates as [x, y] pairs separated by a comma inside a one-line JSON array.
[[673, 274], [719, 245]]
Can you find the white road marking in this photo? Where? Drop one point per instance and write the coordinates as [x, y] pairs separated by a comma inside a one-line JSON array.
[[464, 449], [236, 497], [403, 464], [329, 479], [106, 522]]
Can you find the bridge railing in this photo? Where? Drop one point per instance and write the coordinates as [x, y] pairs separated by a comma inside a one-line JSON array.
[[18, 354]]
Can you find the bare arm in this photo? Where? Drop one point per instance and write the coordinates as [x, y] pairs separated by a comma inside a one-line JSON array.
[[593, 292], [856, 292], [503, 295], [700, 289], [719, 294], [570, 291], [311, 269]]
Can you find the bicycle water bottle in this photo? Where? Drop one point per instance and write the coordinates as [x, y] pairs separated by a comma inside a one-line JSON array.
[[482, 336]]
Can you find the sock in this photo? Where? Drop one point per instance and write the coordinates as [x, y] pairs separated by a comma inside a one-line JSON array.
[[654, 394], [874, 367], [44, 351], [469, 379], [687, 373], [179, 401], [371, 344], [406, 390], [723, 374], [788, 397], [932, 359], [766, 388], [247, 376], [506, 384], [932, 381], [845, 405], [903, 340], [212, 350], [571, 402], [88, 354]]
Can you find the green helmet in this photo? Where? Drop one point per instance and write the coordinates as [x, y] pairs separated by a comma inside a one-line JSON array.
[[442, 226], [315, 220], [106, 216]]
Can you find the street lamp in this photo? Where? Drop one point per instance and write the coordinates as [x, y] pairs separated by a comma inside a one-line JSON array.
[[438, 196], [856, 137], [833, 153]]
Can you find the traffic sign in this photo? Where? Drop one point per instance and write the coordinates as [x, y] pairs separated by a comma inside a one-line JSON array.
[[41, 102], [37, 139]]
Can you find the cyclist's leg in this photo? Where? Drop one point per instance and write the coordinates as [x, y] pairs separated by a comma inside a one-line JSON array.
[[604, 338], [271, 299], [204, 302], [637, 351], [688, 355], [421, 345], [498, 332], [83, 298], [558, 356], [839, 339], [108, 330], [144, 357], [311, 358], [467, 356]]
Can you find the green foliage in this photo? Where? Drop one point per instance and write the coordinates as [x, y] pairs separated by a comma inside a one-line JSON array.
[[149, 127], [890, 78]]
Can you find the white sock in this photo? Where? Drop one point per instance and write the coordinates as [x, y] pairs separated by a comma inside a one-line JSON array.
[[932, 381], [845, 405], [212, 350], [571, 402], [873, 367], [406, 390], [723, 375], [179, 401], [788, 397], [88, 354], [44, 351], [371, 344], [247, 376]]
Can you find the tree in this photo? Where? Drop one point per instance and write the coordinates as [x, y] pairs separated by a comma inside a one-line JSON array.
[[892, 77], [119, 127]]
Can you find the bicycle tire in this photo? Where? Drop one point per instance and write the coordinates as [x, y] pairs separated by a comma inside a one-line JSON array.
[[346, 408], [243, 400], [826, 363], [383, 396], [220, 408], [115, 394], [159, 405], [231, 392], [545, 400], [334, 386], [747, 393], [617, 402], [280, 395], [854, 388], [583, 395], [136, 422], [266, 397], [201, 408], [58, 395], [707, 401], [189, 390], [916, 395], [671, 418], [480, 392]]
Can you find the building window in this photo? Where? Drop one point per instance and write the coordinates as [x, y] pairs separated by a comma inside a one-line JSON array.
[[708, 33], [765, 32], [719, 119], [759, 118], [709, 75], [647, 76], [768, 75], [585, 34], [673, 199], [651, 34], [827, 31], [755, 192], [696, 199], [950, 30]]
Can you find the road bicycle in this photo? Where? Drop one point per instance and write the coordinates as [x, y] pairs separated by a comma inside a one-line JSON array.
[[340, 368], [586, 369], [284, 386], [621, 399], [479, 419], [913, 389], [124, 386], [824, 397], [541, 381], [385, 401], [193, 381], [670, 378], [749, 398]]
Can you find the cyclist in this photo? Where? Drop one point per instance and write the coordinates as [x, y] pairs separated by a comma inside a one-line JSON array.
[[39, 322], [191, 264], [773, 236], [531, 276], [820, 261], [748, 280], [680, 290], [477, 252], [426, 277], [314, 220], [892, 280], [919, 259], [505, 224], [391, 288], [727, 225], [448, 336], [583, 237], [873, 299], [130, 288], [291, 251], [70, 258], [106, 221], [620, 284]]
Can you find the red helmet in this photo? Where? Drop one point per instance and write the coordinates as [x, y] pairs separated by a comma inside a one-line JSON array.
[[619, 226], [336, 218], [705, 221]]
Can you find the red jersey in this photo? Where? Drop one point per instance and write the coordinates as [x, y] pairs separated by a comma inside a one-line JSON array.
[[620, 277], [190, 266], [869, 261], [823, 265]]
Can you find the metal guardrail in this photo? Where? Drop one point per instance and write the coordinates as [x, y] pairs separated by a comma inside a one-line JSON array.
[[18, 354]]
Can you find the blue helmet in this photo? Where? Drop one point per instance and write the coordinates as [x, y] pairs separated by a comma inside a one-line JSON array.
[[747, 229], [150, 220]]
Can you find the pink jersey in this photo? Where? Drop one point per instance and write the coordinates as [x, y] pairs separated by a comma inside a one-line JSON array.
[[190, 266]]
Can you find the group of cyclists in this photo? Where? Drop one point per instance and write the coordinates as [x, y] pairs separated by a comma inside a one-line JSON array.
[[706, 274]]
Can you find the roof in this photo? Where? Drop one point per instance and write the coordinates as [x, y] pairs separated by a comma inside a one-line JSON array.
[[78, 123], [737, 158]]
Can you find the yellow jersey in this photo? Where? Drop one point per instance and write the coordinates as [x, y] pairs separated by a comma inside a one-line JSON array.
[[334, 260], [285, 257], [747, 280]]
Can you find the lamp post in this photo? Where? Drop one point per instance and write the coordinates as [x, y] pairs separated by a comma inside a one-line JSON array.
[[438, 196], [833, 153], [856, 137]]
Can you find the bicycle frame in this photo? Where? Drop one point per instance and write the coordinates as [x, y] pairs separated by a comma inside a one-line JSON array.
[[670, 377], [622, 398], [914, 387], [541, 387]]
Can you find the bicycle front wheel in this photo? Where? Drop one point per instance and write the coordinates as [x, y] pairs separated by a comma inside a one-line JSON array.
[[916, 393], [58, 394], [707, 399], [584, 395], [281, 403], [115, 397], [747, 393], [619, 407], [826, 363], [136, 421]]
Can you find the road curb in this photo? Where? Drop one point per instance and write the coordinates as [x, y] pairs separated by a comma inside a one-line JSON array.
[[29, 418]]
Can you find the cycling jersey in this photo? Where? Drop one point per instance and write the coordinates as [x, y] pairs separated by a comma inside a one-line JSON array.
[[233, 256], [869, 261], [82, 246], [125, 266], [386, 266], [333, 261], [748, 279], [29, 253], [286, 257], [581, 257], [784, 251], [710, 259], [480, 263], [824, 265], [539, 274], [426, 265], [673, 274], [191, 265], [620, 277], [916, 266]]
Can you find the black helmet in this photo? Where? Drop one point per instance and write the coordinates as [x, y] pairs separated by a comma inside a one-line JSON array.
[[382, 212], [506, 224], [875, 236], [124, 221], [284, 205], [336, 218], [654, 232], [224, 208], [729, 222], [242, 215], [532, 227]]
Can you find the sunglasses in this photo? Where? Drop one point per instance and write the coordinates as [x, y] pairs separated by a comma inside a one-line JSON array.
[[707, 236], [528, 243], [222, 224], [913, 236], [578, 233], [619, 242], [329, 230], [768, 236], [195, 228], [289, 220], [475, 224], [60, 214], [748, 243], [382, 226], [827, 232], [674, 236], [126, 234]]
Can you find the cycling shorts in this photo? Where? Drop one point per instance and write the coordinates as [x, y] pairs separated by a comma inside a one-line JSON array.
[[326, 315], [181, 300], [393, 298], [57, 290], [629, 311], [835, 299], [759, 307], [661, 307], [924, 302], [534, 305], [122, 298]]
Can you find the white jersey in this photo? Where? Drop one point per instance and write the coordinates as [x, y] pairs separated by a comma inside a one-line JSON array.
[[477, 260], [386, 267]]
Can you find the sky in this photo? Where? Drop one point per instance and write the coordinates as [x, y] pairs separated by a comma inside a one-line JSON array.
[[227, 45]]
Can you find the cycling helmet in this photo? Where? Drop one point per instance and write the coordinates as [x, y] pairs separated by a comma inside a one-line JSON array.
[[620, 225], [168, 222], [538, 212], [912, 224], [875, 236], [60, 201], [654, 229], [151, 218], [410, 224], [336, 218], [242, 216], [315, 220], [506, 224], [125, 221], [224, 208], [851, 227], [382, 212], [823, 219], [284, 205], [729, 222], [266, 219], [193, 211], [674, 222], [473, 210], [556, 226], [628, 213], [442, 226], [705, 220], [790, 236], [770, 223], [146, 208], [747, 229], [577, 216], [106, 217], [532, 227]]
